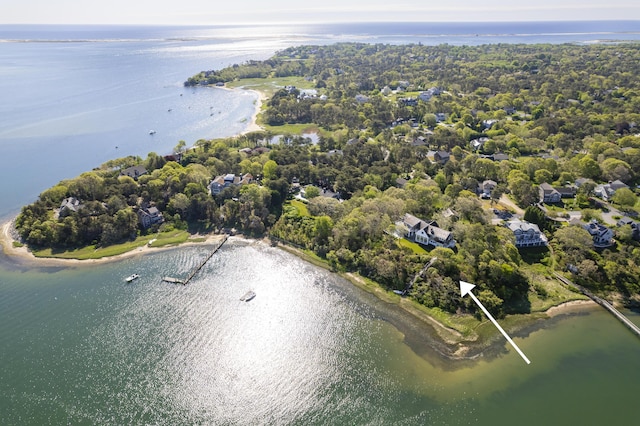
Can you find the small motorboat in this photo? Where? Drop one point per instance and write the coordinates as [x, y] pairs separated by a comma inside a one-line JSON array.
[[248, 296], [152, 132], [132, 277]]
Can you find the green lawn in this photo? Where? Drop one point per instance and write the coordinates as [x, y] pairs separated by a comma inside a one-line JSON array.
[[93, 252], [291, 129], [301, 207], [414, 247], [269, 86]]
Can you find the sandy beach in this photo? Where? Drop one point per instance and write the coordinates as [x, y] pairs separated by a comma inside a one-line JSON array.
[[253, 124], [22, 253]]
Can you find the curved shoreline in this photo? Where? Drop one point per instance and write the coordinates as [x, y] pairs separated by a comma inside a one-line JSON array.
[[22, 254], [450, 344], [253, 125]]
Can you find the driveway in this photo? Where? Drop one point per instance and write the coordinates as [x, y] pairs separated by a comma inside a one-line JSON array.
[[506, 201]]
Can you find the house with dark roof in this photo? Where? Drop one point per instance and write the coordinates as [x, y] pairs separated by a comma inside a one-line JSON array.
[[427, 233], [224, 181], [553, 194], [635, 226], [149, 216], [401, 182], [602, 236], [607, 190], [581, 181], [134, 172], [548, 194], [69, 205], [441, 157]]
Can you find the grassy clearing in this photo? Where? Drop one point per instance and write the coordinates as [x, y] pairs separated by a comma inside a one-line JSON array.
[[93, 252], [300, 207], [269, 86], [291, 129], [172, 238], [414, 247]]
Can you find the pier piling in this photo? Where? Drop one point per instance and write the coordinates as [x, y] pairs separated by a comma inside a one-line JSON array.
[[608, 306], [197, 268]]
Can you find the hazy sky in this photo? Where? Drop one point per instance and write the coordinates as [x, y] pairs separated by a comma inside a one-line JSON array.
[[275, 11]]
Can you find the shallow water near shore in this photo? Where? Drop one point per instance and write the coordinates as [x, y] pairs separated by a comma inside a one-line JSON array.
[[81, 345]]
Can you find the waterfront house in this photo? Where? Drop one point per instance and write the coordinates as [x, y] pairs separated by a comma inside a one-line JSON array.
[[427, 233], [526, 234], [134, 172], [149, 216], [69, 205]]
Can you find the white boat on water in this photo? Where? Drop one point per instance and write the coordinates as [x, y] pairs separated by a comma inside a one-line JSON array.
[[248, 296], [152, 132], [132, 277]]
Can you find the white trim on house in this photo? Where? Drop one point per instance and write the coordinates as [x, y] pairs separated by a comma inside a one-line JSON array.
[[526, 234]]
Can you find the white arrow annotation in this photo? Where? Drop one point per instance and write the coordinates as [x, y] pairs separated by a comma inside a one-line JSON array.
[[466, 288]]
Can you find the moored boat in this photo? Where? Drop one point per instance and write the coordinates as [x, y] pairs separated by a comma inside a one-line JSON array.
[[248, 296]]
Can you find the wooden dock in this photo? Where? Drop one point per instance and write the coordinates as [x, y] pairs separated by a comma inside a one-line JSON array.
[[172, 280], [418, 275], [608, 306], [185, 281]]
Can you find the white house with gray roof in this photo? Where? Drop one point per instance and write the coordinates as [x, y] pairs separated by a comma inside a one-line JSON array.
[[527, 234], [427, 233]]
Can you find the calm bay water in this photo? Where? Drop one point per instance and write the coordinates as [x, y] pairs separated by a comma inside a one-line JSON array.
[[79, 346]]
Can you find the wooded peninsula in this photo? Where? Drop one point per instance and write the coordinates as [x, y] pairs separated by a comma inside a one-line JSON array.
[[499, 165]]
